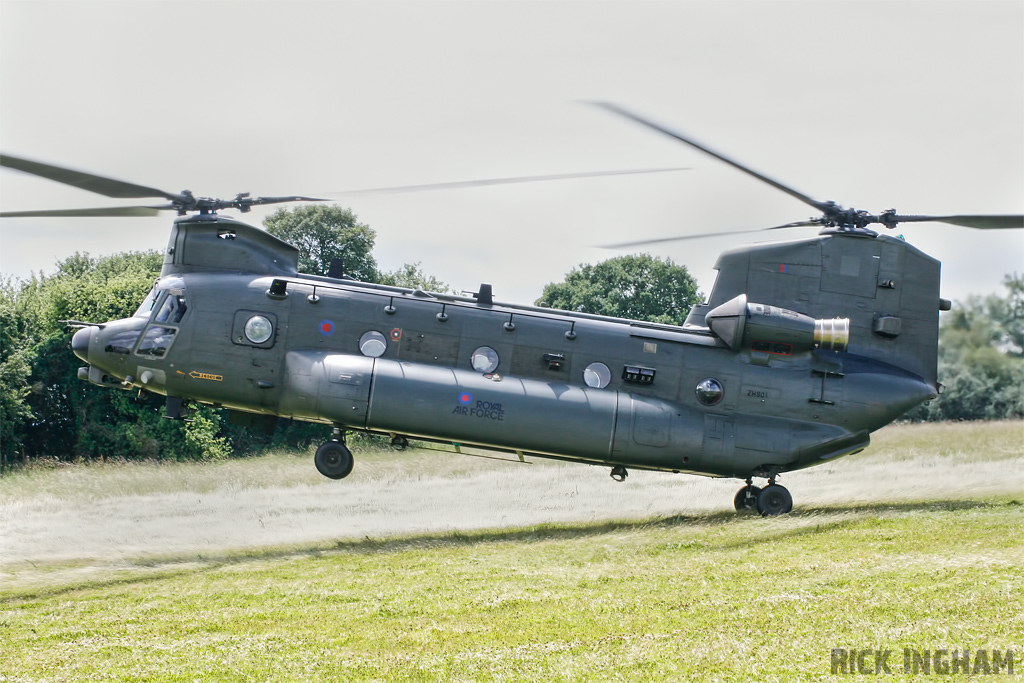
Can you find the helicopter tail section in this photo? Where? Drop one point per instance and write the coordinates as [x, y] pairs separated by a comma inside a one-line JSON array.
[[887, 288]]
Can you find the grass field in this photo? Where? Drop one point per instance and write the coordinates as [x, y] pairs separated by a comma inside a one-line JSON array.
[[434, 567]]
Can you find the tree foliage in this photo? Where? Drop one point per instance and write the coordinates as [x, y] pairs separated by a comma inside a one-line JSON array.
[[639, 287], [323, 233], [47, 410], [411, 275], [981, 359]]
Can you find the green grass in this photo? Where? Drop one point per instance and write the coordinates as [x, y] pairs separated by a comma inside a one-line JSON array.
[[708, 596], [717, 597]]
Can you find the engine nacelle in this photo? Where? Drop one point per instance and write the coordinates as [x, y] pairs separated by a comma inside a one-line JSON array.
[[775, 330]]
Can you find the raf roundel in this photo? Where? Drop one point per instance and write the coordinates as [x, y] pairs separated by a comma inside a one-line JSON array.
[[326, 328], [465, 398]]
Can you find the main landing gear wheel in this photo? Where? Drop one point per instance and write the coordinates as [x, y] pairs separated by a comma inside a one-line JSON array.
[[774, 500], [334, 460], [746, 498]]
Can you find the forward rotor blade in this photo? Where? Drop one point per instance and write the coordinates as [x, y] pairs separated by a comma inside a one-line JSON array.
[[614, 108], [680, 238], [493, 181], [981, 222], [117, 211], [107, 187]]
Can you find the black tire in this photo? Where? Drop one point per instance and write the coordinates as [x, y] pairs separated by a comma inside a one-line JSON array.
[[774, 500], [746, 498], [334, 460]]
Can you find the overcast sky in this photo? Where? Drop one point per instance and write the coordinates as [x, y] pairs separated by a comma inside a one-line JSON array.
[[913, 105]]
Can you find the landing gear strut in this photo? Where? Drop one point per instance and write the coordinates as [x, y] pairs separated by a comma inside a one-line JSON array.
[[333, 459], [770, 501]]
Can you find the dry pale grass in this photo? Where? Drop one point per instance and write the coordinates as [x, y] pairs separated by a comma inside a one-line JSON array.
[[88, 518]]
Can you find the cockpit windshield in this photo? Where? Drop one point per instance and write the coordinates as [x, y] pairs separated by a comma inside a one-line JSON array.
[[146, 309]]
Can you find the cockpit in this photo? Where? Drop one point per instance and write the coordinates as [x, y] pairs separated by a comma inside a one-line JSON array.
[[168, 299], [148, 334], [165, 306]]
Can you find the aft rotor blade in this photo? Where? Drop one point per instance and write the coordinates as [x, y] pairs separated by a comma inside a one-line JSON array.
[[981, 222], [680, 238], [494, 181], [117, 211], [280, 200], [819, 205], [107, 187]]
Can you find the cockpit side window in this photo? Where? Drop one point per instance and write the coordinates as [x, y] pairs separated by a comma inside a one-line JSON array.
[[172, 310], [167, 304], [156, 341]]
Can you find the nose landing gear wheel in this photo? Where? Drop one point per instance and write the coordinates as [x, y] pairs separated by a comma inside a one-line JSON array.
[[774, 500], [746, 498], [334, 460]]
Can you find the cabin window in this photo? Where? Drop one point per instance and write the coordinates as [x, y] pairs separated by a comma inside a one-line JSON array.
[[373, 344], [258, 329], [597, 375], [710, 391], [156, 341], [485, 360]]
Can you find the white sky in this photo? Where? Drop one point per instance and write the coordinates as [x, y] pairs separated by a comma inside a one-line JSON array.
[[913, 105]]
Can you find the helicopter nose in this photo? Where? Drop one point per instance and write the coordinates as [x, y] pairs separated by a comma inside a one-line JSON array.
[[80, 342]]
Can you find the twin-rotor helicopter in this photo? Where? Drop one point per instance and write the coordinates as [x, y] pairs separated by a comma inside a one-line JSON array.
[[802, 350]]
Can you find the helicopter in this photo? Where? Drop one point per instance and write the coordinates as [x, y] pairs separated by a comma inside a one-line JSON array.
[[803, 348]]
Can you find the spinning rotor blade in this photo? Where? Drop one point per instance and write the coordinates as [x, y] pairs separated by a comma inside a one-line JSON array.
[[833, 214], [980, 222], [679, 238], [493, 181], [186, 202], [280, 200], [614, 108], [107, 187], [119, 211]]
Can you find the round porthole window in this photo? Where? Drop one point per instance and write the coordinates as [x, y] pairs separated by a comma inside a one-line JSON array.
[[258, 329], [373, 344], [597, 375], [484, 359], [709, 391]]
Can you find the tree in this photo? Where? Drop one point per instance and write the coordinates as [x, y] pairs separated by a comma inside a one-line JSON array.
[[46, 410], [15, 370], [411, 275], [638, 286], [323, 233], [981, 359]]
